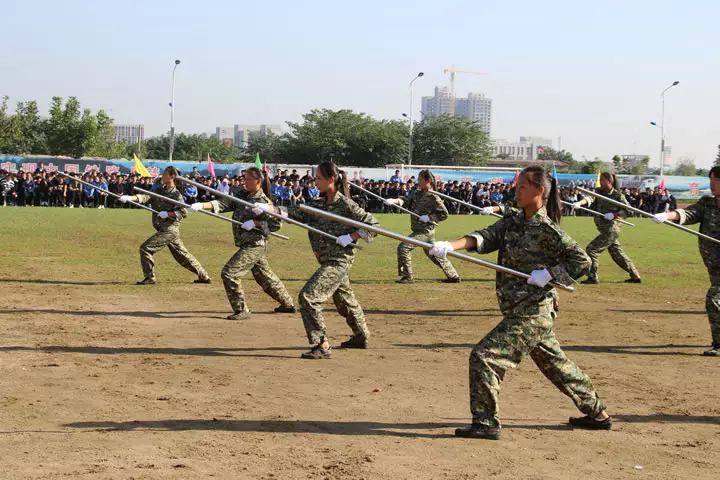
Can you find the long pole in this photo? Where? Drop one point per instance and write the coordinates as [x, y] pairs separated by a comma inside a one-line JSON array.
[[291, 221], [662, 129], [646, 214], [137, 204], [593, 212], [417, 243], [469, 205], [410, 117], [384, 200], [185, 205], [172, 113]]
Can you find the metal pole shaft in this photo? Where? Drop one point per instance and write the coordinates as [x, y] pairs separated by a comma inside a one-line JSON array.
[[646, 214], [417, 243], [185, 205], [384, 200], [271, 213], [662, 136], [597, 214], [469, 205], [106, 191], [410, 117], [172, 115]]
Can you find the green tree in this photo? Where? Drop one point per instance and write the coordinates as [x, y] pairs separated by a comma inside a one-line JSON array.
[[271, 147], [66, 129], [193, 148], [563, 156], [685, 167], [446, 140]]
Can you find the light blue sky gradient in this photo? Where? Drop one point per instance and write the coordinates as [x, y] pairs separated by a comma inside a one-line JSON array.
[[590, 72]]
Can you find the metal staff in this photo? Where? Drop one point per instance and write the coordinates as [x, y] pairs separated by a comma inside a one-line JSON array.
[[137, 204], [270, 212], [384, 200], [181, 204], [418, 243], [470, 205], [646, 214], [595, 213]]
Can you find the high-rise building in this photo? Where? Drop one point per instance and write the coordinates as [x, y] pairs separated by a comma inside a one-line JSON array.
[[240, 135], [129, 134], [225, 135], [525, 150], [476, 107]]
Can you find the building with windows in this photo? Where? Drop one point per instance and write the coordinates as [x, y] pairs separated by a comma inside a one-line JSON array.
[[129, 134], [526, 149], [475, 107]]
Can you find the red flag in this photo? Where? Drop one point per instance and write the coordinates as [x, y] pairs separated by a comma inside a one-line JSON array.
[[211, 167], [662, 185]]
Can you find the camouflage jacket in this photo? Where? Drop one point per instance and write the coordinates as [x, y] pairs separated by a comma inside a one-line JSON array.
[[327, 249], [158, 204], [425, 203], [601, 206], [526, 246], [707, 213], [241, 213]]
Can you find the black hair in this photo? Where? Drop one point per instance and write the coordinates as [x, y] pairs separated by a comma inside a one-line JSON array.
[[328, 169], [714, 172], [175, 174], [610, 177], [427, 175], [264, 180], [537, 176]]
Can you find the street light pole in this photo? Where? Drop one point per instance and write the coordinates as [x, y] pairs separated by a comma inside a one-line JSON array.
[[172, 113], [410, 117], [662, 129]]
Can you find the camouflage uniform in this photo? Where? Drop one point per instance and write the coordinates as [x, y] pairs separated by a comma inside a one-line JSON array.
[[168, 234], [252, 253], [707, 213], [609, 234], [332, 279], [528, 314], [423, 203]]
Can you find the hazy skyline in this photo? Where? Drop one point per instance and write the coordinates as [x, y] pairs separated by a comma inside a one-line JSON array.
[[589, 73]]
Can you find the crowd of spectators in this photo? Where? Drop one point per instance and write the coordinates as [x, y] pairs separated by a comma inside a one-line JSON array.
[[48, 189]]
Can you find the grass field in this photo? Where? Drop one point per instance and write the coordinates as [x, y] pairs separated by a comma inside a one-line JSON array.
[[104, 379]]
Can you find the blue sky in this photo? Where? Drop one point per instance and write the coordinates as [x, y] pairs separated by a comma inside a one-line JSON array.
[[590, 72]]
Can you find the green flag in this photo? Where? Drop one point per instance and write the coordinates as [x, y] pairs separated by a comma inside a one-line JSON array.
[[258, 163]]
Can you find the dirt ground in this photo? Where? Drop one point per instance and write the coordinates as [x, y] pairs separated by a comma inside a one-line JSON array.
[[119, 381]]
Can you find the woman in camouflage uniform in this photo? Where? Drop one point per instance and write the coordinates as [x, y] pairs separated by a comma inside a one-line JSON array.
[[251, 239], [706, 212], [530, 241], [332, 279], [609, 230], [167, 226], [431, 210]]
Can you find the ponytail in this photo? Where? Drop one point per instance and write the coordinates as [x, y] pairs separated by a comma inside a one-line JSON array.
[[328, 169], [427, 175], [537, 176], [553, 202]]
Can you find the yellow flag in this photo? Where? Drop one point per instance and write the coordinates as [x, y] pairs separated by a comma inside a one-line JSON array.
[[140, 168], [597, 182]]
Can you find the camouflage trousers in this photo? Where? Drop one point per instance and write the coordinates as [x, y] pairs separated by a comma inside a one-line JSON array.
[[522, 333], [404, 257], [171, 239], [712, 305], [252, 259], [332, 279], [608, 239]]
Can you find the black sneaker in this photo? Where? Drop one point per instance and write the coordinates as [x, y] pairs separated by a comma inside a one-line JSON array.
[[239, 315], [633, 280], [452, 280], [285, 309], [203, 280], [317, 353], [146, 281], [479, 431], [590, 423], [356, 341], [713, 352], [590, 281], [405, 280]]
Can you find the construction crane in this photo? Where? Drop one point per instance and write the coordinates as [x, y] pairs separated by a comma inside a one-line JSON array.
[[452, 71]]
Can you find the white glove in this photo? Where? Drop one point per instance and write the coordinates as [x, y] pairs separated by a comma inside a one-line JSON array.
[[124, 198], [578, 204], [248, 225], [261, 208], [163, 214], [487, 210], [660, 217], [539, 278], [424, 219], [441, 249], [609, 216], [196, 207], [365, 235], [394, 201], [344, 240]]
